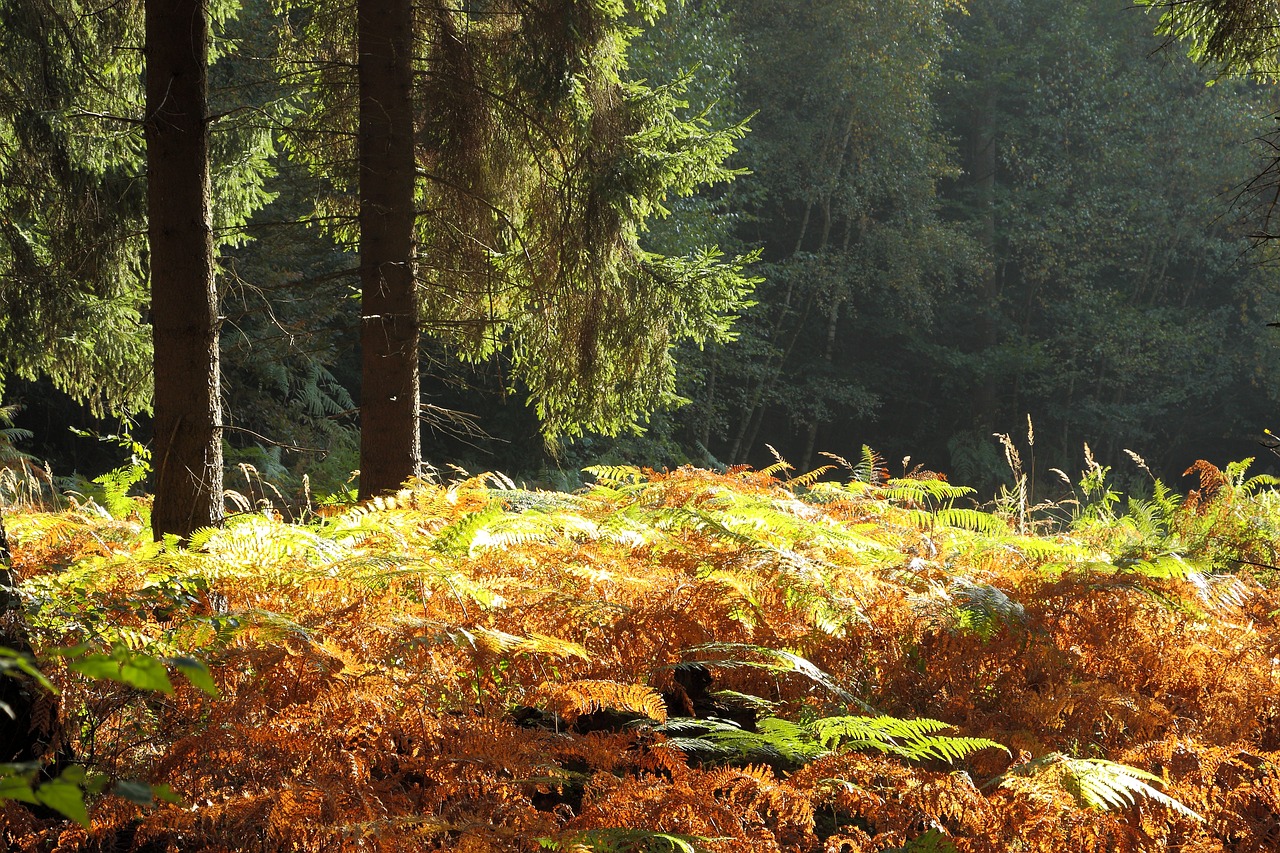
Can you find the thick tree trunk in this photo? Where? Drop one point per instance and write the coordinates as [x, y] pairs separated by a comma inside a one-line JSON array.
[[184, 302], [390, 443]]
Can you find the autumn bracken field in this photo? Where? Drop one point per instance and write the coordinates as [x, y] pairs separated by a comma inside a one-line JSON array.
[[688, 660]]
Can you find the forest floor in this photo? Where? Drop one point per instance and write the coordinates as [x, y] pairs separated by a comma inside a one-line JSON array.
[[673, 661]]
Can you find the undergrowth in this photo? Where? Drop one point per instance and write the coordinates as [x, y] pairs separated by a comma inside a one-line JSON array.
[[688, 661]]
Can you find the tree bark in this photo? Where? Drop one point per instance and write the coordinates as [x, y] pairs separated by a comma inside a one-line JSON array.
[[184, 301], [390, 442]]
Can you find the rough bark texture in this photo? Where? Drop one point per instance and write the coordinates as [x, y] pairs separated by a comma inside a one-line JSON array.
[[184, 304], [390, 444]]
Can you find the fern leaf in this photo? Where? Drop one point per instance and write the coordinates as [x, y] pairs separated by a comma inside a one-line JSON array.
[[922, 491], [459, 538], [932, 841], [806, 480], [972, 520], [615, 475], [912, 739], [1097, 783], [575, 698], [870, 467], [775, 741], [733, 655], [501, 642]]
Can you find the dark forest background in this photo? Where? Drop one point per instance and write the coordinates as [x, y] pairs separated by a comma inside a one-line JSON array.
[[965, 219]]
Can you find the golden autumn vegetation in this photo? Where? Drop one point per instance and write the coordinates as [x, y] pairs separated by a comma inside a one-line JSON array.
[[675, 661]]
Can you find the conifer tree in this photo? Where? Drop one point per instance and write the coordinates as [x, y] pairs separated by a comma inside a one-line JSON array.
[[536, 167], [390, 442], [71, 207], [184, 302]]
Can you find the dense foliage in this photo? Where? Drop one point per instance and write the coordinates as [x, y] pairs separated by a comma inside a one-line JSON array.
[[692, 661]]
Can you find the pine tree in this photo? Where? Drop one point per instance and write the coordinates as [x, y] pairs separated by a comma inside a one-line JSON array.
[[71, 208], [538, 165], [390, 442], [184, 302]]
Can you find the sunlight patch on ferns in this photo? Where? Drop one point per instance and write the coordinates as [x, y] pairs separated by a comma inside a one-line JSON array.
[[1091, 782]]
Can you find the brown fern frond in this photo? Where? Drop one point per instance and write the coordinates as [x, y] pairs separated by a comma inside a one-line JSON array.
[[575, 698], [1211, 478]]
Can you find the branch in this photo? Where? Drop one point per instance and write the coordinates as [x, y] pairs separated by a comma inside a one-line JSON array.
[[295, 448]]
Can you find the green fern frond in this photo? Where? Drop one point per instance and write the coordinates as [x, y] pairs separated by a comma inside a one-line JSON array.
[[775, 741], [1063, 551], [804, 481], [1259, 481], [736, 655], [1168, 566], [870, 467], [985, 609], [526, 500], [912, 739], [972, 520], [932, 841], [1097, 783], [615, 475], [923, 491], [257, 542], [458, 539], [963, 605], [685, 518]]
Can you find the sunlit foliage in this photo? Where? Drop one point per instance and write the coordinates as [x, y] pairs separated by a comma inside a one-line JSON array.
[[679, 661]]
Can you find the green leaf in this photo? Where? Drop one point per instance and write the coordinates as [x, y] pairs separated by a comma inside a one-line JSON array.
[[134, 791], [932, 841], [197, 673], [144, 794], [166, 794], [136, 670], [13, 662], [65, 797], [15, 782]]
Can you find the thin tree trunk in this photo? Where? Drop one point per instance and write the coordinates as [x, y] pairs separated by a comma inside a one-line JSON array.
[[390, 442], [184, 302], [986, 401], [709, 406], [828, 360]]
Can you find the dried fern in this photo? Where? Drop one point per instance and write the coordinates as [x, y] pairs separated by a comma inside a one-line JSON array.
[[575, 698]]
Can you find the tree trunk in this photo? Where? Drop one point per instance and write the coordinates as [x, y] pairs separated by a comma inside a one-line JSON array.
[[184, 302], [390, 443], [986, 403]]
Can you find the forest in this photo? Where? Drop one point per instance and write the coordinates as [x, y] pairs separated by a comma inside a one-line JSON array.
[[639, 425]]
